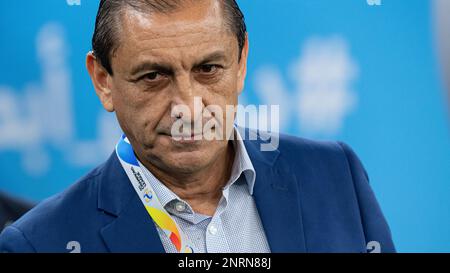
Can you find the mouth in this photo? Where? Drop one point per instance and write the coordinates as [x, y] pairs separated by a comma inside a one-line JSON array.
[[184, 137]]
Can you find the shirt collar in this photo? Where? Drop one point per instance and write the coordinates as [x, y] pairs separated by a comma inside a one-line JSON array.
[[241, 165]]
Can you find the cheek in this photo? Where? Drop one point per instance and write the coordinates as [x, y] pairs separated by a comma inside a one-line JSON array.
[[223, 95], [138, 112], [224, 91]]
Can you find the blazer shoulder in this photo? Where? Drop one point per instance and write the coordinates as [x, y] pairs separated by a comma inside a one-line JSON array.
[[324, 160], [303, 148], [59, 213]]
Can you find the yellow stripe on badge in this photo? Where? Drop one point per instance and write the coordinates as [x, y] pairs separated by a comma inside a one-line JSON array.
[[164, 221]]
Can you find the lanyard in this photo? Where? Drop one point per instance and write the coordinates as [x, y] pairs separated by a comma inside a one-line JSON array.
[[148, 197]]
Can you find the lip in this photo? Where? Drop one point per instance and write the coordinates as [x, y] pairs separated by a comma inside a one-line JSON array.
[[184, 138]]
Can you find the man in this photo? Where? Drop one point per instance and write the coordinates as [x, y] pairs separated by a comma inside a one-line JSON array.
[[169, 191]]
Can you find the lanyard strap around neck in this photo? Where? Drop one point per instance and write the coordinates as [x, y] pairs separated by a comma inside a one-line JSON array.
[[147, 195]]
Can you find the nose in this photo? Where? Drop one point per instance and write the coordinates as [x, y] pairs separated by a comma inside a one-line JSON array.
[[186, 104]]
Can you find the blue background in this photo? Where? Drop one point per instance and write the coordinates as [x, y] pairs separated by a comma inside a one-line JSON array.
[[398, 123]]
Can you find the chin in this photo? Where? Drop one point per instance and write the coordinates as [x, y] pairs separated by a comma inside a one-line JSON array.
[[184, 157], [187, 163]]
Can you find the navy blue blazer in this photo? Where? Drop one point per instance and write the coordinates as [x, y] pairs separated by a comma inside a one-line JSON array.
[[311, 197]]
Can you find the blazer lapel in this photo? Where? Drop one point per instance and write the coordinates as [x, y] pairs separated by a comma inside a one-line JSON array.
[[276, 195], [132, 230]]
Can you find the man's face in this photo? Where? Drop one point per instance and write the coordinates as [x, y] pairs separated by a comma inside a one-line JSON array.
[[165, 60]]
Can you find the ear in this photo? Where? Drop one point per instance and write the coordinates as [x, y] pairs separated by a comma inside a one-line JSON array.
[[100, 79], [242, 73]]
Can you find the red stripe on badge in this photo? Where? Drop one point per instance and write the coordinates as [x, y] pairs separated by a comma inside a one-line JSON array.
[[175, 241]]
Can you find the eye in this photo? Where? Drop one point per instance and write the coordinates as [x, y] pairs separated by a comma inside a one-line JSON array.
[[153, 80], [208, 68], [153, 76]]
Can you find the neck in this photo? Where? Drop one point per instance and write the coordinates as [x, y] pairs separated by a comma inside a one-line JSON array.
[[201, 189]]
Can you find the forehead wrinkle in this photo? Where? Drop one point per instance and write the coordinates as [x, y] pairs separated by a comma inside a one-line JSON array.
[[189, 41], [138, 46], [153, 35], [146, 23], [177, 31]]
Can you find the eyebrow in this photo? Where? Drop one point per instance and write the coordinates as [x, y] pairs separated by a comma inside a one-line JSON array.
[[166, 68], [146, 66], [214, 56]]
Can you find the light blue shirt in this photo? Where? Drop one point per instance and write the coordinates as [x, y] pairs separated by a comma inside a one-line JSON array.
[[235, 226]]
